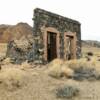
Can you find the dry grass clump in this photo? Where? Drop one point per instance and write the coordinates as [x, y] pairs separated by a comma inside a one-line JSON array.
[[77, 69], [73, 64], [85, 69], [12, 78], [54, 68], [56, 62], [66, 71], [58, 69]]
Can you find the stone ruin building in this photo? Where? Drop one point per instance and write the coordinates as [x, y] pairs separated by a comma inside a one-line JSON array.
[[54, 36]]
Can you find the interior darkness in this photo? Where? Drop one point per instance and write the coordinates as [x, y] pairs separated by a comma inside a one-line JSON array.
[[51, 46]]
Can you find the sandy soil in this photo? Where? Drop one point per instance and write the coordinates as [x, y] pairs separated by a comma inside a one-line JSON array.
[[40, 86]]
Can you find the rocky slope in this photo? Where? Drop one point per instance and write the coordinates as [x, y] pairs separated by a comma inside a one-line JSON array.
[[91, 43], [10, 32]]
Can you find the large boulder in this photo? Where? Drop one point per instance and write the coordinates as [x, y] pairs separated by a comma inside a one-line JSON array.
[[20, 50]]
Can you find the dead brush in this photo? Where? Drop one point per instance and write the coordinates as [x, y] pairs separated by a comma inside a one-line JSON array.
[[76, 69], [84, 70], [58, 69], [12, 78]]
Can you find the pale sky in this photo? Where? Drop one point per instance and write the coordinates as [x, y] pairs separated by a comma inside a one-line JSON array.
[[84, 11]]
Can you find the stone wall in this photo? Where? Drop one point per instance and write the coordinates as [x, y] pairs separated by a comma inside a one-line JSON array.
[[43, 19]]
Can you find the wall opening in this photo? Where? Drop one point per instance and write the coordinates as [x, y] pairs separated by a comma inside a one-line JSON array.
[[70, 45], [51, 46]]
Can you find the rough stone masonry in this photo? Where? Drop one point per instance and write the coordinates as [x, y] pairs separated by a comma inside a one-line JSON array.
[[55, 37]]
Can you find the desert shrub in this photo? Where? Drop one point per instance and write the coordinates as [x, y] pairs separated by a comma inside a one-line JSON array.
[[54, 68], [67, 92], [55, 62], [84, 70], [74, 64], [77, 69], [66, 71], [90, 53], [58, 69], [55, 71], [12, 78], [83, 73]]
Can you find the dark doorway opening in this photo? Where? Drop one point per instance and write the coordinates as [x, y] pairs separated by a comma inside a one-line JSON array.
[[51, 46]]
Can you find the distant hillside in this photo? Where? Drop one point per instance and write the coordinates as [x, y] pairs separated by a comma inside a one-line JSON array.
[[2, 29], [9, 32], [90, 43]]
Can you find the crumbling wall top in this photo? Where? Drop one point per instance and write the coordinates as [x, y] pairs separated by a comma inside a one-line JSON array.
[[38, 10]]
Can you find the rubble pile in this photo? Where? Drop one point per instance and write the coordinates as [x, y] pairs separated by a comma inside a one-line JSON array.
[[20, 50]]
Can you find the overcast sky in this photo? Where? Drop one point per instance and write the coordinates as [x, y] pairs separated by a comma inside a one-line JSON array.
[[85, 11]]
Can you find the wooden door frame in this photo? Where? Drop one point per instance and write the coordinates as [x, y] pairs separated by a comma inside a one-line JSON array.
[[73, 42], [53, 30]]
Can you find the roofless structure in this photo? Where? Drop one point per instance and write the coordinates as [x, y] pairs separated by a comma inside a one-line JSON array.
[[55, 36]]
